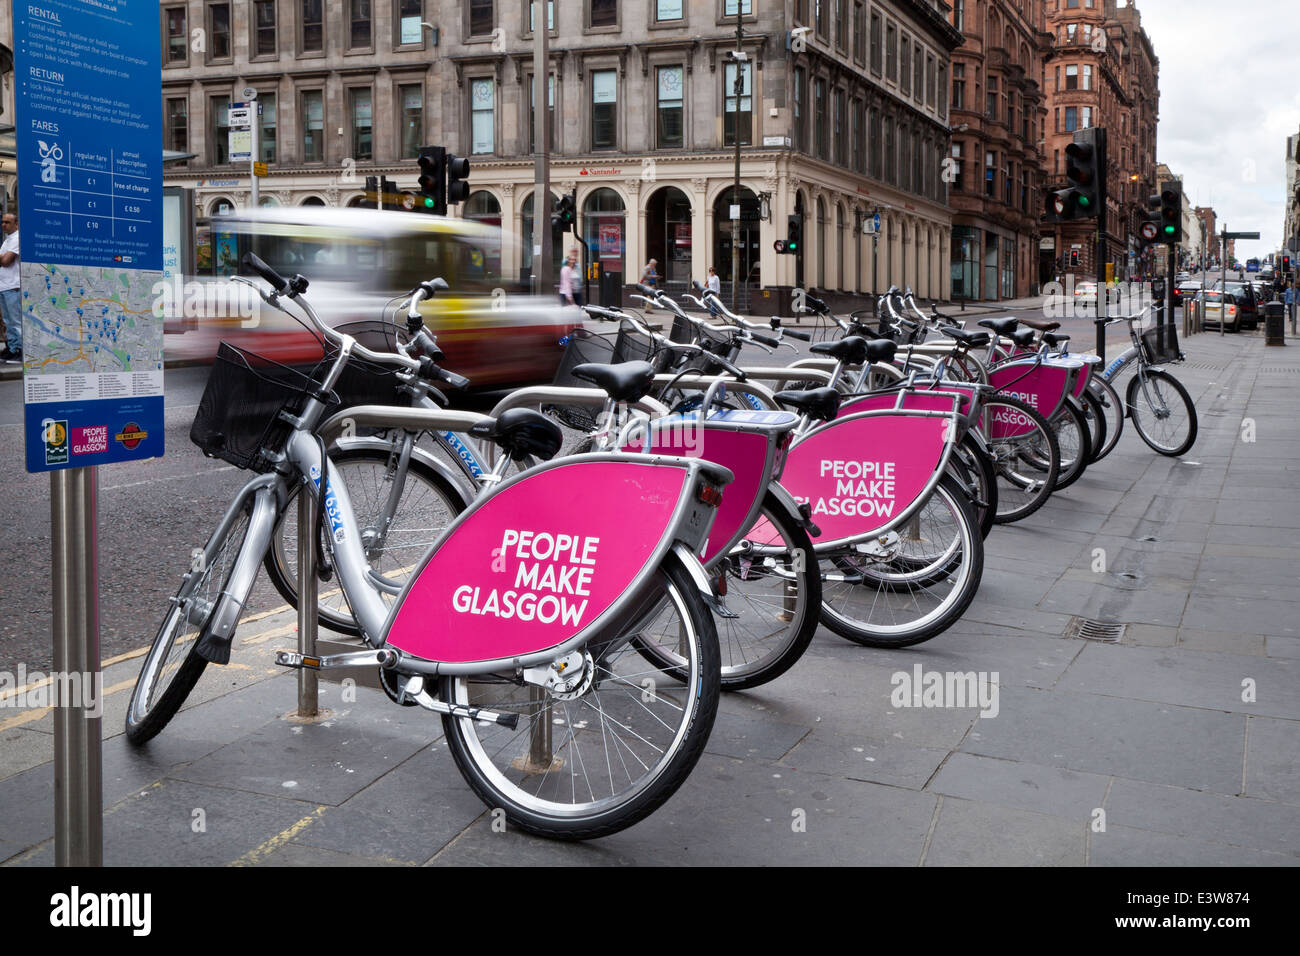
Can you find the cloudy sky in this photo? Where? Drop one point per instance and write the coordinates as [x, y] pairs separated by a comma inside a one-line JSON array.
[[1228, 101]]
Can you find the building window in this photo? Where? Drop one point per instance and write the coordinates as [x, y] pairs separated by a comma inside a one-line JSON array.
[[875, 42], [841, 25], [955, 175], [905, 160], [840, 130], [412, 99], [891, 52], [550, 15], [876, 144], [668, 10], [1024, 190], [362, 125], [929, 80], [410, 14], [1070, 30], [481, 17], [1087, 78], [990, 174], [918, 72], [1009, 180], [819, 16], [891, 154], [219, 29], [819, 119], [942, 84], [733, 7], [178, 124], [266, 151], [532, 111], [1072, 77], [738, 109], [991, 99], [959, 86], [178, 39], [604, 13], [264, 28], [857, 153], [670, 122], [359, 37], [604, 104], [313, 126], [959, 15], [1071, 119], [905, 73], [859, 31], [482, 100], [313, 27], [219, 110], [800, 109], [1085, 117]]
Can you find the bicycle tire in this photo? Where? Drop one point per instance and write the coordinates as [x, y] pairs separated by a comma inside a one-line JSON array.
[[849, 621], [1109, 402], [762, 657], [163, 685], [1026, 465], [489, 763], [1168, 390], [436, 501], [1095, 416], [1074, 441], [981, 479]]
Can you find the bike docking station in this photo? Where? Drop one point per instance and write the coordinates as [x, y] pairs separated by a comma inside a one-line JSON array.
[[90, 187]]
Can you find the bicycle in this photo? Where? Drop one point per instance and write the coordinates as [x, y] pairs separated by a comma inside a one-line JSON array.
[[503, 666], [1157, 403]]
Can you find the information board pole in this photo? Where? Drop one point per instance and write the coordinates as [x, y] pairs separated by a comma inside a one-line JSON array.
[[78, 760]]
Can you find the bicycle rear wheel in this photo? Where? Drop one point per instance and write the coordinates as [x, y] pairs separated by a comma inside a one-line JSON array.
[[1026, 463], [1095, 417], [1108, 401], [1162, 412], [1074, 441], [173, 666], [593, 762]]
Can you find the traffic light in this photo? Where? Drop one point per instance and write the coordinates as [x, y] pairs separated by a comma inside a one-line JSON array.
[[1074, 258], [565, 214], [1083, 168], [433, 179], [1149, 228], [1171, 212], [457, 172], [794, 234], [1286, 265]]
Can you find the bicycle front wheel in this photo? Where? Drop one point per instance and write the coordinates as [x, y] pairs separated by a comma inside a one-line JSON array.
[[1162, 412], [917, 585], [1026, 462], [173, 666], [594, 761], [1075, 443], [398, 525]]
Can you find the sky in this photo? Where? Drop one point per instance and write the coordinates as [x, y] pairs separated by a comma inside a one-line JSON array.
[[1228, 101]]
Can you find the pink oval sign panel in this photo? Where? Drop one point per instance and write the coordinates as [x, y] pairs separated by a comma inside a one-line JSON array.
[[857, 474], [538, 561], [1043, 388]]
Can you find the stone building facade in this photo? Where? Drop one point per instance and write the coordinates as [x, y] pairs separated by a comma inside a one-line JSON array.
[[844, 114], [1101, 70]]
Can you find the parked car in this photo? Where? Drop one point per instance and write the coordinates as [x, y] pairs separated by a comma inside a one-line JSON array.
[[1214, 309], [1185, 289], [1243, 293], [1182, 276]]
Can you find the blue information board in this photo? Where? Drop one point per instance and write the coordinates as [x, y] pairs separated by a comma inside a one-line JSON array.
[[89, 150]]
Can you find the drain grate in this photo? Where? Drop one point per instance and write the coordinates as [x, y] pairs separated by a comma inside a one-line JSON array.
[[1089, 630], [1205, 366]]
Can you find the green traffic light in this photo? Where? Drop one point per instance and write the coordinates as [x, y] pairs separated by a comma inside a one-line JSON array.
[[428, 203], [792, 247], [1170, 230], [1084, 201]]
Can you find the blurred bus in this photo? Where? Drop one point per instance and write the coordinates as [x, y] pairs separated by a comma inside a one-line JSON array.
[[358, 261]]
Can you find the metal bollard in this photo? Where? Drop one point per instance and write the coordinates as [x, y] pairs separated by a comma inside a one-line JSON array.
[[308, 682]]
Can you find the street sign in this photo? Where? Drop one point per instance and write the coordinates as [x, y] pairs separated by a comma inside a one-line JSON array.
[[240, 141], [259, 169], [1241, 235], [1149, 230], [239, 115], [875, 223]]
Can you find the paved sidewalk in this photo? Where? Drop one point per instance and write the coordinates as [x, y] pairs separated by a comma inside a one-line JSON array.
[[1179, 745]]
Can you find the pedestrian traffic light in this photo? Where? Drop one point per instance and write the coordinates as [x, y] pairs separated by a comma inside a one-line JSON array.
[[1171, 212], [457, 173], [433, 178], [1083, 168], [794, 234]]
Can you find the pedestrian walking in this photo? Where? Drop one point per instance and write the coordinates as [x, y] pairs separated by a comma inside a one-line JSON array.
[[714, 285], [11, 296], [650, 274], [569, 294]]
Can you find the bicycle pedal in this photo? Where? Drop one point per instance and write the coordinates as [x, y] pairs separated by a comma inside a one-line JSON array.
[[296, 660]]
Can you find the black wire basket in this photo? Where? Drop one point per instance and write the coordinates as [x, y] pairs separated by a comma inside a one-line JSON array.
[[1151, 345], [363, 382], [238, 419]]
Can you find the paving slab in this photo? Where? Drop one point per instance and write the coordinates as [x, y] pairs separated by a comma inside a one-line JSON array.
[[1022, 785], [1126, 846], [969, 833]]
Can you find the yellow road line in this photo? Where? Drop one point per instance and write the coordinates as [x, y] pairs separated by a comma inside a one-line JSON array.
[[259, 853]]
